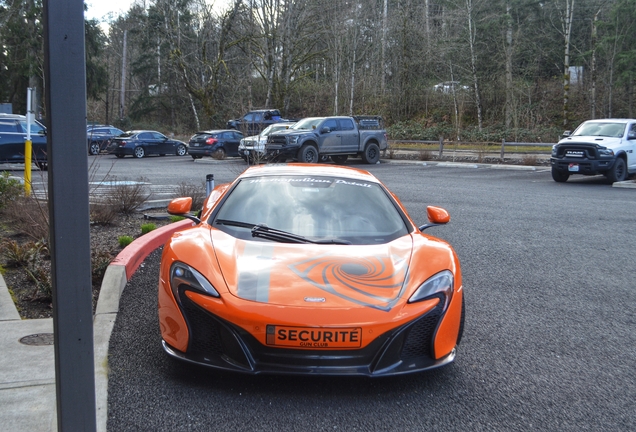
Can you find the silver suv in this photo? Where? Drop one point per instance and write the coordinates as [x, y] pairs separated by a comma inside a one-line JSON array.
[[13, 134]]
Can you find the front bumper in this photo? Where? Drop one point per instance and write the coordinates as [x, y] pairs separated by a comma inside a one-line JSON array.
[[280, 153], [582, 165], [219, 344]]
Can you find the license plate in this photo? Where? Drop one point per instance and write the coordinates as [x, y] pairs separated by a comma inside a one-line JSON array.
[[314, 337], [573, 167]]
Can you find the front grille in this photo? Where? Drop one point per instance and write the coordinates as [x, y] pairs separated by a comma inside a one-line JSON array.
[[279, 140], [577, 151], [419, 340]]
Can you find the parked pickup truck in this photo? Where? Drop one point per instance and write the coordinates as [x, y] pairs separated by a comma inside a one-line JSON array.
[[315, 138], [255, 121], [605, 147]]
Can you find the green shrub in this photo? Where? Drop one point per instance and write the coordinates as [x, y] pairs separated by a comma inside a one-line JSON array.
[[10, 189], [125, 240], [146, 228], [175, 218]]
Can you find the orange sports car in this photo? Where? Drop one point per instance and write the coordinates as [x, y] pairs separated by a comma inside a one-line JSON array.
[[309, 269]]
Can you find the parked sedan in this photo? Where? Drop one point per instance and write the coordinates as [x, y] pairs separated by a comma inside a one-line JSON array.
[[219, 143], [143, 143], [98, 137]]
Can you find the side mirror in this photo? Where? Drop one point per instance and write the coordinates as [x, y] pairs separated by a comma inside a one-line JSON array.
[[436, 216], [566, 134], [325, 130], [181, 207]]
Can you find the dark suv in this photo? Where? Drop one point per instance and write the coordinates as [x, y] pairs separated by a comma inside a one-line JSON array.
[[12, 138]]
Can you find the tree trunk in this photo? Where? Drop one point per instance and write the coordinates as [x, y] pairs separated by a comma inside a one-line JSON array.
[[567, 32]]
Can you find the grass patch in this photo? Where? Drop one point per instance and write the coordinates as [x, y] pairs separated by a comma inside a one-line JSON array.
[[124, 240], [147, 227]]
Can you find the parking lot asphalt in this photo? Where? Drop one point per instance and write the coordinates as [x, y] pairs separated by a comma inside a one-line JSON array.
[[27, 379]]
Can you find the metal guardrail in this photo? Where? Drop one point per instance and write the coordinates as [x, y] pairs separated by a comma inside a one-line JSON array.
[[443, 142]]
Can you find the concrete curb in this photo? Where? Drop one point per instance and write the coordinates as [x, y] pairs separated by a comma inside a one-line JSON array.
[[115, 279]]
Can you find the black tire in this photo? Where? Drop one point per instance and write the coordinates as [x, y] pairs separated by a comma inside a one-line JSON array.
[[93, 148], [220, 154], [618, 172], [181, 150], [559, 176], [308, 154], [119, 156], [139, 152], [371, 154], [196, 157], [339, 159]]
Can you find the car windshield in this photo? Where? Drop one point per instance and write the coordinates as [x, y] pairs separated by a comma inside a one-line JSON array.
[[308, 123], [601, 129], [318, 208]]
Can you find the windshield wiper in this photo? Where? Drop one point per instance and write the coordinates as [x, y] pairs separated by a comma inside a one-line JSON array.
[[263, 231], [234, 223]]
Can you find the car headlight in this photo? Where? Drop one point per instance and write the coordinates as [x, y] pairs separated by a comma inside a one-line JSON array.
[[293, 140], [605, 152], [241, 144], [554, 151], [441, 283], [183, 274]]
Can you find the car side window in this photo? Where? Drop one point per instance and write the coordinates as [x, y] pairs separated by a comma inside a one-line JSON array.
[[332, 124], [249, 117], [346, 124], [35, 127], [144, 136], [7, 126], [632, 131], [237, 136], [158, 136]]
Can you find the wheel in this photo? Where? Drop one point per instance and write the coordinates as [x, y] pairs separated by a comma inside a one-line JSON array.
[[93, 149], [308, 154], [559, 176], [196, 157], [339, 159], [219, 154], [119, 156], [618, 172], [139, 152], [181, 150], [371, 153]]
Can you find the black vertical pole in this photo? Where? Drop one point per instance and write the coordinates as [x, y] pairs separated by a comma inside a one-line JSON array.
[[65, 84]]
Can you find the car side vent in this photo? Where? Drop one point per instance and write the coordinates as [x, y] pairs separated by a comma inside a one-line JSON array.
[[419, 340]]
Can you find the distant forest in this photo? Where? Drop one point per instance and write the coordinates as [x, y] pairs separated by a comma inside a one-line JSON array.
[[519, 70]]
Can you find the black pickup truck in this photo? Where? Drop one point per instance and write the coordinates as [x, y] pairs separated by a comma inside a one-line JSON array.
[[314, 138], [255, 121]]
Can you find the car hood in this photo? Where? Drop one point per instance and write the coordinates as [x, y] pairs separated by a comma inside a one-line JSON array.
[[590, 139], [329, 276]]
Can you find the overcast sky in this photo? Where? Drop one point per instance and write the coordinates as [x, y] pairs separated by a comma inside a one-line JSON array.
[[99, 9]]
